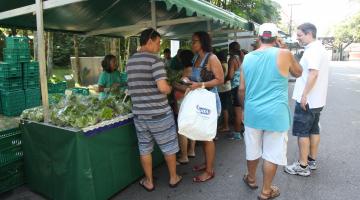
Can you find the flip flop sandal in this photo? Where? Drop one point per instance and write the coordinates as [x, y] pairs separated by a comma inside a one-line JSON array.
[[199, 168], [191, 156], [251, 185], [182, 163], [177, 183], [275, 192], [142, 184], [197, 179]]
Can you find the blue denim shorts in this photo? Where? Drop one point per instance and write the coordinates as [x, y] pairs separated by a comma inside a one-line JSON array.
[[306, 122]]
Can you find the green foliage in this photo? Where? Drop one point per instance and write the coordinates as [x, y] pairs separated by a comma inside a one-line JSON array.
[[348, 31], [260, 11]]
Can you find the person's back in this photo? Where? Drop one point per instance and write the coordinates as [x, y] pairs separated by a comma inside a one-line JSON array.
[[266, 94], [145, 95]]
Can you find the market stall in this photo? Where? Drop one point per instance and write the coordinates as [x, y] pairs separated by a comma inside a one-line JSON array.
[[82, 157]]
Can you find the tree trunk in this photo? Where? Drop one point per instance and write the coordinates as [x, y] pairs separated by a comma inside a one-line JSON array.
[[76, 68], [50, 50], [35, 43]]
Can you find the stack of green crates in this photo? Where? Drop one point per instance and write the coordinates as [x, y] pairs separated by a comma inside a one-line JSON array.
[[11, 159], [12, 93], [31, 84]]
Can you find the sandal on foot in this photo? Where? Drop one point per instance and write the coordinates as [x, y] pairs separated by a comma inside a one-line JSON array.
[[251, 184], [275, 192], [178, 162], [142, 184], [197, 179], [198, 168], [191, 156], [177, 183]]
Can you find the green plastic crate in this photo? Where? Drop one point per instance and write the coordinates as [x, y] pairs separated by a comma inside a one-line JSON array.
[[11, 154], [10, 70], [59, 87], [16, 55], [31, 82], [10, 138], [82, 91], [11, 84], [17, 42], [32, 97], [11, 176], [13, 102], [30, 68]]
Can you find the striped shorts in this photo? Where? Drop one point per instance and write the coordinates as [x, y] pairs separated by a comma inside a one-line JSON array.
[[159, 128]]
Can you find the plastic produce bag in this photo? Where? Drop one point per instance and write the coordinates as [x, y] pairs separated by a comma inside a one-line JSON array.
[[197, 118]]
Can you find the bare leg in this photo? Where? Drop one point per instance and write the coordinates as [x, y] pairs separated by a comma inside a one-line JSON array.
[[314, 145], [171, 163], [191, 150], [238, 119], [269, 171], [304, 148], [183, 148], [146, 162], [209, 151], [251, 167]]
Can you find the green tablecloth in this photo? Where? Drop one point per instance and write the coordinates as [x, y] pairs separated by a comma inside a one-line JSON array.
[[63, 164]]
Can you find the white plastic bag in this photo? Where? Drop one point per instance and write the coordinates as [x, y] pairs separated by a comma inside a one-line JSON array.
[[197, 119]]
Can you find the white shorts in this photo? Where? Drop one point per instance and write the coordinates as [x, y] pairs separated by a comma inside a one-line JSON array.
[[271, 146]]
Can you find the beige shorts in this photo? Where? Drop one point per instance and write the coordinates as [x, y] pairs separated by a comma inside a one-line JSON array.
[[271, 146]]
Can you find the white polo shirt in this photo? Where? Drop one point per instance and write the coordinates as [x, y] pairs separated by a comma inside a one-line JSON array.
[[314, 57]]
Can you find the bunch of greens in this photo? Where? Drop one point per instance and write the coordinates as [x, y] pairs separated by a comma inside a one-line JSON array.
[[80, 111]]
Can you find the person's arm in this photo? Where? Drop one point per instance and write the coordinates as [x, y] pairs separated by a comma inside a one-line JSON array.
[[311, 80], [101, 82], [287, 63], [216, 68], [231, 69], [241, 91], [159, 75]]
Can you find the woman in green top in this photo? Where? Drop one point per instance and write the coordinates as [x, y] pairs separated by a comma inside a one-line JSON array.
[[109, 80]]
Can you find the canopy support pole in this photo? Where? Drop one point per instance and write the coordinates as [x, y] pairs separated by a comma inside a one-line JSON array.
[[153, 14], [42, 59]]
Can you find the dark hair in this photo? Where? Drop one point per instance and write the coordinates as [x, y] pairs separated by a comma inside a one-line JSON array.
[[167, 50], [148, 34], [267, 40], [105, 63], [205, 40], [222, 56], [308, 28], [234, 49], [186, 56]]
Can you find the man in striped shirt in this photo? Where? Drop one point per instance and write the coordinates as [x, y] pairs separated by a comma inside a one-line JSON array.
[[153, 118]]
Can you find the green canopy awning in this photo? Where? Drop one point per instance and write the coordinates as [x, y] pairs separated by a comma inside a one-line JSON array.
[[93, 15]]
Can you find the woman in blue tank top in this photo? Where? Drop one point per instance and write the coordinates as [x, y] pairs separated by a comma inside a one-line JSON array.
[[205, 60]]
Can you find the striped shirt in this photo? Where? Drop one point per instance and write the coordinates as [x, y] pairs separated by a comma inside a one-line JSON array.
[[143, 70]]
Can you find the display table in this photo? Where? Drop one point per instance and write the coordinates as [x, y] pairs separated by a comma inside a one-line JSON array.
[[67, 164]]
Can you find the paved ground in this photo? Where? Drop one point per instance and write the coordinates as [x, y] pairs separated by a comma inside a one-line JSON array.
[[337, 177]]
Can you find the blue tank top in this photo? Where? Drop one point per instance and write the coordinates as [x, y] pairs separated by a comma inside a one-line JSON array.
[[266, 92], [195, 76], [235, 81]]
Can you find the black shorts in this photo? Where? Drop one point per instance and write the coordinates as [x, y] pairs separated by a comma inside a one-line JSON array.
[[225, 98], [306, 122], [235, 97]]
